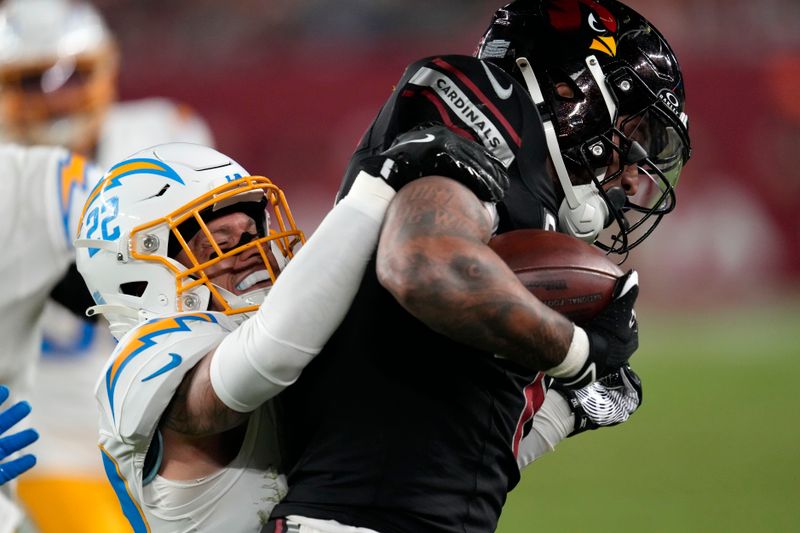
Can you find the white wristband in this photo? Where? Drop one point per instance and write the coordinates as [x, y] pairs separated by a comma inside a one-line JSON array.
[[370, 195], [576, 357]]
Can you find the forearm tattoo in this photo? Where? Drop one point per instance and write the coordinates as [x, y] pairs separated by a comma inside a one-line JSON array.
[[434, 240]]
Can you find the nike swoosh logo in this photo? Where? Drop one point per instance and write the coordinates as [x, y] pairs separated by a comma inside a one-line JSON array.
[[428, 138], [173, 363], [504, 93]]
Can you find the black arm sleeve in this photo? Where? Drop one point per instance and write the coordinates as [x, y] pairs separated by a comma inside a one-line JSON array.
[[72, 293]]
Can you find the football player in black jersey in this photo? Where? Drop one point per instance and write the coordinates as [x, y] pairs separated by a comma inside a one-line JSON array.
[[413, 417]]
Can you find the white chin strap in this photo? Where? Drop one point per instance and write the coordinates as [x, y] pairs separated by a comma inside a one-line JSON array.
[[121, 318], [583, 212]]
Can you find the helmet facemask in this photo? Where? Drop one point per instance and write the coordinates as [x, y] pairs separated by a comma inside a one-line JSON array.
[[262, 203], [650, 132], [61, 103], [626, 108], [136, 251]]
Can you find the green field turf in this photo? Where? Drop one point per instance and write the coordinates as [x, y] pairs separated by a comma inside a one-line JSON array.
[[714, 448]]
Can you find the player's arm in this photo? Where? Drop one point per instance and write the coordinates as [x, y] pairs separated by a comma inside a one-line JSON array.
[[268, 352], [568, 411], [71, 292], [434, 259], [141, 395], [195, 410]]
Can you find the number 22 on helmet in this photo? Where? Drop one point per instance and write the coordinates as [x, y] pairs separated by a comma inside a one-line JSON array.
[[181, 227]]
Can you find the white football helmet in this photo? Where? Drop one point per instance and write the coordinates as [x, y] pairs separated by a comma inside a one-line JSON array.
[[146, 209], [58, 72]]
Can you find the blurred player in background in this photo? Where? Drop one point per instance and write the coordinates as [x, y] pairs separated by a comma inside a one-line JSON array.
[[43, 191], [414, 411], [58, 86], [59, 66], [193, 245]]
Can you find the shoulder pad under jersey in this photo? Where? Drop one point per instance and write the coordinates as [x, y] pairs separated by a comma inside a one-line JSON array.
[[149, 364], [472, 97]]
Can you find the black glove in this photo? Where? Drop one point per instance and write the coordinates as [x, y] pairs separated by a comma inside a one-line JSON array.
[[609, 401], [613, 334], [435, 150]]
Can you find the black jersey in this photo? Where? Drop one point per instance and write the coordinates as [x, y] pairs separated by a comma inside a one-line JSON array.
[[394, 427], [481, 101]]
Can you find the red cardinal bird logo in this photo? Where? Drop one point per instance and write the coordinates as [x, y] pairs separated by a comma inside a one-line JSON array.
[[589, 17]]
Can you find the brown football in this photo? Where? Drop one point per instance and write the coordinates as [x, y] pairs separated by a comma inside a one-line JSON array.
[[566, 274]]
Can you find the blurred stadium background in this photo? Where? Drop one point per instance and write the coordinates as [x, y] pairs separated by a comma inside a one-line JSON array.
[[288, 88]]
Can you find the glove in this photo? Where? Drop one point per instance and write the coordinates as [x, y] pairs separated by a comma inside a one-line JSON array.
[[13, 443], [613, 334], [435, 150], [609, 401]]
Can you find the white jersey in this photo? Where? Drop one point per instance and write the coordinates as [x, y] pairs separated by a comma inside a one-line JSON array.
[[133, 391], [75, 351], [43, 192]]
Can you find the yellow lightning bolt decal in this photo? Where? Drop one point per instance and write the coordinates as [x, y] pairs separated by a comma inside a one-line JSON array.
[[145, 338], [73, 173]]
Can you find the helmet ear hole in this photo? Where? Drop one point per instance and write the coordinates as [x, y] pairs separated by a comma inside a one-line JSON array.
[[564, 90], [564, 87], [133, 288]]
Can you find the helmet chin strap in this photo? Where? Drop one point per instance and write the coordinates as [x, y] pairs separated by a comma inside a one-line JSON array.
[[121, 318], [583, 212]]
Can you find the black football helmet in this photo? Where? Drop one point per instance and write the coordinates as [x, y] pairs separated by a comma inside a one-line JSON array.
[[624, 106]]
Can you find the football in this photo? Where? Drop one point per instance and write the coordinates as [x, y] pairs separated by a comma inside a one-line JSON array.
[[565, 273]]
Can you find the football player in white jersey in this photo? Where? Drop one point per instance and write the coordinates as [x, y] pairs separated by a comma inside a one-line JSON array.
[[58, 77], [179, 246], [43, 192], [181, 249], [59, 66]]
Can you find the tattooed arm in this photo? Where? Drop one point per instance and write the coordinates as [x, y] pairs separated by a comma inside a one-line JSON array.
[[434, 259], [200, 434], [267, 352], [196, 410]]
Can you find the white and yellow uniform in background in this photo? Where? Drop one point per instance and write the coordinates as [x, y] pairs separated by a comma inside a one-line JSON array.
[[58, 76], [43, 192], [134, 389], [68, 478]]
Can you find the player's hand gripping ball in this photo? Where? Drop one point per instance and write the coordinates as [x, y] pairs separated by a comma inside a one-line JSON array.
[[565, 273]]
